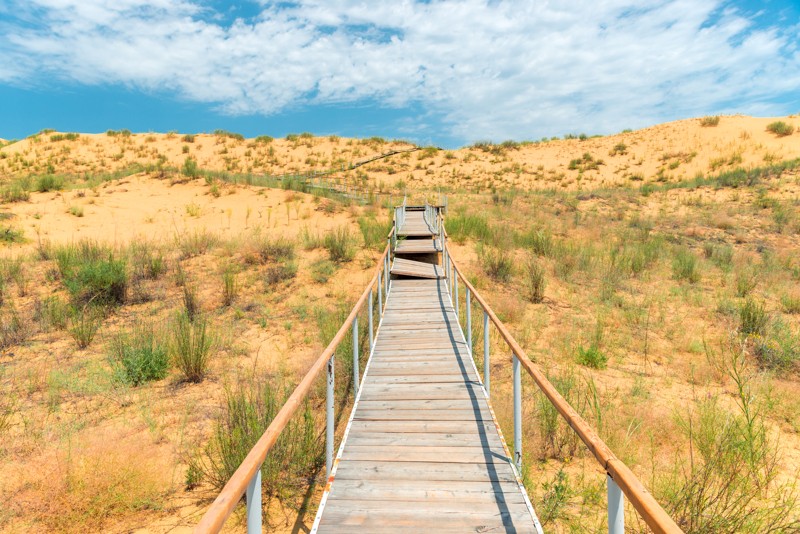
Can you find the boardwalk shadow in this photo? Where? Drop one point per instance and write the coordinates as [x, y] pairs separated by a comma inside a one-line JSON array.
[[454, 332]]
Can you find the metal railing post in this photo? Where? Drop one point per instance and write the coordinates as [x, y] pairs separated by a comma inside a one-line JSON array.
[[369, 310], [329, 420], [616, 507], [455, 281], [355, 356], [469, 320], [253, 496], [380, 296], [486, 360], [517, 413]]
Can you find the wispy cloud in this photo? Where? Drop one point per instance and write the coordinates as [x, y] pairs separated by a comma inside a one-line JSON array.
[[499, 69]]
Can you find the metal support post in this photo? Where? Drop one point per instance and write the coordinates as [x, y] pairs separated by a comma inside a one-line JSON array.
[[455, 281], [355, 356], [329, 420], [486, 361], [469, 320], [369, 310], [616, 508], [253, 496], [380, 296], [517, 413]]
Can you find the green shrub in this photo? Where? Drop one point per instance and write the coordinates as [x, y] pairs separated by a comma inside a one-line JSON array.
[[685, 266], [230, 287], [340, 246], [264, 139], [15, 192], [192, 341], [753, 318], [497, 263], [279, 272], [190, 167], [591, 357], [280, 249], [188, 138], [9, 234], [557, 493], [778, 349], [373, 232], [780, 128], [322, 270], [709, 121], [463, 226], [538, 240], [84, 324], [49, 182], [534, 280], [248, 410], [196, 243], [746, 281], [139, 356], [791, 303], [99, 281]]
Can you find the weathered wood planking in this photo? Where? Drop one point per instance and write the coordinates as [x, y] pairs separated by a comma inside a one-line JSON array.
[[423, 451], [417, 246], [404, 267], [415, 225]]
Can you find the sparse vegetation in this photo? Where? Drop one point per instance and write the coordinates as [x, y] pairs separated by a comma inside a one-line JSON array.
[[709, 121], [780, 128], [192, 341], [340, 245]]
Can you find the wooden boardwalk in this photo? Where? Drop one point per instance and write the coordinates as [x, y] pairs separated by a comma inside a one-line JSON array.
[[422, 450], [414, 225]]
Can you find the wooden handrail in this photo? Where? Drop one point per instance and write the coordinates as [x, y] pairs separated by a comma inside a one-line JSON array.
[[642, 500], [226, 501]]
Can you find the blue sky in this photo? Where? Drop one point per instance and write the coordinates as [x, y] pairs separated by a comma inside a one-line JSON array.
[[437, 72]]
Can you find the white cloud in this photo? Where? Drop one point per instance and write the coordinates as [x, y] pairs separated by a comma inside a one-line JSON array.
[[499, 69]]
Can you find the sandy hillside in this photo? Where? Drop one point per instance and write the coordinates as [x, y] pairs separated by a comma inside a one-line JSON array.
[[664, 153]]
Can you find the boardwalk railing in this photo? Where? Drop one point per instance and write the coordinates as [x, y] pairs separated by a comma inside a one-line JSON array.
[[620, 479], [246, 480]]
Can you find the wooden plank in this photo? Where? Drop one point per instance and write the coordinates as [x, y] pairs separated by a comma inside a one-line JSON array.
[[479, 472], [433, 490], [404, 267]]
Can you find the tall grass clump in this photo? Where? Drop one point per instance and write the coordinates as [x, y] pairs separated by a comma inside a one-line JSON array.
[[196, 243], [463, 226], [92, 273], [778, 349], [685, 266], [279, 249], [709, 121], [83, 325], [139, 356], [753, 318], [230, 287], [780, 128], [249, 408], [49, 182], [534, 280], [192, 341], [538, 240], [497, 263], [374, 232], [340, 245]]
